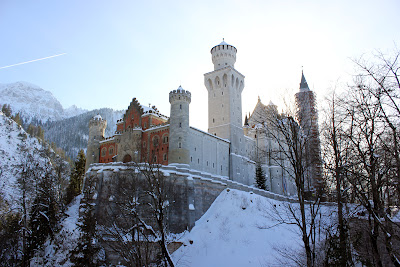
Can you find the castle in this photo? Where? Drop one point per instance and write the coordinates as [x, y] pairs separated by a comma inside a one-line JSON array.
[[229, 149]]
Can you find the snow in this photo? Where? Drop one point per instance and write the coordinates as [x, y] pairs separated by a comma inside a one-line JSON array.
[[12, 139], [57, 251], [237, 231], [98, 117], [191, 207], [32, 102]]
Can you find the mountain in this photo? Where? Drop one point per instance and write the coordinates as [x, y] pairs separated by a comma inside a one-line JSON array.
[[34, 103], [71, 134], [67, 128]]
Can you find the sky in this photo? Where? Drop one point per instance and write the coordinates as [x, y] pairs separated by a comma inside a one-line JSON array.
[[112, 51]]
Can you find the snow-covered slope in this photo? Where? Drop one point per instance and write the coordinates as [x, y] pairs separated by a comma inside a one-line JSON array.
[[32, 102], [239, 230], [15, 144]]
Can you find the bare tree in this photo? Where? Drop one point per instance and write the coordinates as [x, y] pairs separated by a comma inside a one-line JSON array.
[[291, 146], [336, 157], [138, 215]]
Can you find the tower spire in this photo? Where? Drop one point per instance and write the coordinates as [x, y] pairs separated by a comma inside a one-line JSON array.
[[303, 83]]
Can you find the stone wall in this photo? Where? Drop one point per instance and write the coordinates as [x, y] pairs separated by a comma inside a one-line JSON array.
[[191, 192]]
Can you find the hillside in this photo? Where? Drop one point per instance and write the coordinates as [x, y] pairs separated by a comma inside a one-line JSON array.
[[17, 149], [239, 230]]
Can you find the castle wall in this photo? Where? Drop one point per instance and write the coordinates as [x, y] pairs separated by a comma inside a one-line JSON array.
[[155, 144], [208, 153], [108, 150], [192, 194]]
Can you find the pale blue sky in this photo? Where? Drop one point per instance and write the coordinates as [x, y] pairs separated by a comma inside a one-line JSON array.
[[117, 50]]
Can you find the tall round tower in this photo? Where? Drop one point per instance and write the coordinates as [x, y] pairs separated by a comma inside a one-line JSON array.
[[223, 55], [179, 126], [97, 126], [307, 115]]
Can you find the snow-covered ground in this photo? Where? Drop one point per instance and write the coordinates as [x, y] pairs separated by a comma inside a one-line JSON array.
[[57, 251], [239, 229]]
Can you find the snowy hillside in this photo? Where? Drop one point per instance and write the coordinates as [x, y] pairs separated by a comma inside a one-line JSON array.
[[14, 147], [32, 102], [239, 230]]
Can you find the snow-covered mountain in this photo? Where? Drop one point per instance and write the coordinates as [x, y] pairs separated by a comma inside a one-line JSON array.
[[33, 102]]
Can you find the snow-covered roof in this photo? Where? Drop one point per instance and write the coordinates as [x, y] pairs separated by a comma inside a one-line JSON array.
[[223, 43], [147, 109], [98, 117]]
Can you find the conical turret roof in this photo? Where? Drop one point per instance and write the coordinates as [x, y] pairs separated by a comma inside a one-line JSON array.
[[303, 83]]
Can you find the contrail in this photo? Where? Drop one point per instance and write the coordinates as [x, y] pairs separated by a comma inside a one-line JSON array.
[[32, 61]]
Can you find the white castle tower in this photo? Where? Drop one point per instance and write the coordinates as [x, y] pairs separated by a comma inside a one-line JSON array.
[[179, 126], [97, 126], [225, 85]]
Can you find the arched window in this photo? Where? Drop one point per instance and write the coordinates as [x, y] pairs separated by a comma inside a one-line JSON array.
[[156, 140], [165, 156], [103, 152], [111, 150], [180, 106], [154, 159]]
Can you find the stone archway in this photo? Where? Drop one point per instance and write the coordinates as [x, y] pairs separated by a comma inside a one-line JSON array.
[[127, 158]]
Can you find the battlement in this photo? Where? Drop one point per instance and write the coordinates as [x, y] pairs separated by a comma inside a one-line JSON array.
[[97, 121], [223, 55], [180, 95]]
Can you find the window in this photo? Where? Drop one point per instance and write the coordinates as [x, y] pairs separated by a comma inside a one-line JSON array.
[[144, 144], [191, 159], [179, 145], [155, 159], [180, 106], [103, 152], [165, 139], [145, 125], [165, 156], [156, 140], [111, 150], [180, 125]]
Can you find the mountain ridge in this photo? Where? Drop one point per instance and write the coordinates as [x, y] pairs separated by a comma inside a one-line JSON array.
[[34, 103]]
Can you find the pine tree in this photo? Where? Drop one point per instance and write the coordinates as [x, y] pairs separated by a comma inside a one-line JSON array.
[[87, 250], [260, 177], [6, 109], [17, 119], [43, 216], [77, 175]]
